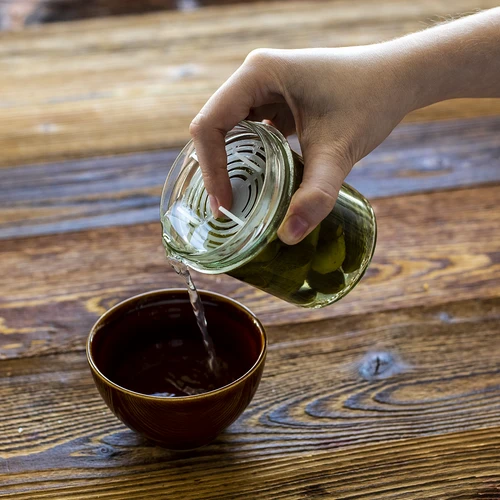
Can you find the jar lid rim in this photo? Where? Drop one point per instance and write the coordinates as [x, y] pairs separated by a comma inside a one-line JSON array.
[[220, 258]]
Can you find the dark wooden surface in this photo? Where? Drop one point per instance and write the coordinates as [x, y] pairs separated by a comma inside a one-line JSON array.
[[62, 196], [325, 422], [392, 393]]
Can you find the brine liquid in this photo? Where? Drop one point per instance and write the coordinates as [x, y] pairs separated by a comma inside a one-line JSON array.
[[199, 313], [157, 349]]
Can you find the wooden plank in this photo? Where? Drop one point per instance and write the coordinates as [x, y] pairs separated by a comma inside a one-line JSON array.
[[82, 194], [125, 190], [15, 14], [400, 404], [119, 85], [432, 249], [462, 467]]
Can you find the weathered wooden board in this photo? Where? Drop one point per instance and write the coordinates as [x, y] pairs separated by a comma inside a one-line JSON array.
[[401, 404], [119, 85], [393, 393], [124, 190], [432, 249], [14, 14]]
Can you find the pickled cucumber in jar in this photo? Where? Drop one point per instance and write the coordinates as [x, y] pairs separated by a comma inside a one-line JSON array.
[[265, 173], [282, 269], [356, 242], [315, 269]]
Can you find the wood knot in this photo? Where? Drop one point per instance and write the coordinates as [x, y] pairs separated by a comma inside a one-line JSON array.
[[105, 451], [377, 365]]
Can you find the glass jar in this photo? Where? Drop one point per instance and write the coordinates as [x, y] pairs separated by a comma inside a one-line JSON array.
[[264, 174]]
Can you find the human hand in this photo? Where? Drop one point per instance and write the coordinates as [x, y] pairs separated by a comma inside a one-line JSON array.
[[342, 103]]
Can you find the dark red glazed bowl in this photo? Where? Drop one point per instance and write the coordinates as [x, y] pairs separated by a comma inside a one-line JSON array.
[[177, 423]]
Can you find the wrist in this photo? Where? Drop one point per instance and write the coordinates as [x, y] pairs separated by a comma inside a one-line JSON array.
[[453, 60], [420, 72], [396, 70]]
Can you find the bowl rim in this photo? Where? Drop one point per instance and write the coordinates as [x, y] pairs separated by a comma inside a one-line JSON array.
[[195, 397]]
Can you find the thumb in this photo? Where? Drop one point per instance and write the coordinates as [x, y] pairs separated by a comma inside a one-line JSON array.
[[324, 171]]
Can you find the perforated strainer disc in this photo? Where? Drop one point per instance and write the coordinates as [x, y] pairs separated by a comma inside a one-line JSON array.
[[190, 217]]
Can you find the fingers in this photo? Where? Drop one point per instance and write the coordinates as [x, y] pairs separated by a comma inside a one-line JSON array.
[[325, 170], [232, 103], [278, 115], [210, 150], [228, 106]]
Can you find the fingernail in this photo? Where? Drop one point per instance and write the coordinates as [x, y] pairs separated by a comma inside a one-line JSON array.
[[294, 229], [214, 205]]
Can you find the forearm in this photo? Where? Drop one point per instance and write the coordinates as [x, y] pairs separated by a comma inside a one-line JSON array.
[[453, 60]]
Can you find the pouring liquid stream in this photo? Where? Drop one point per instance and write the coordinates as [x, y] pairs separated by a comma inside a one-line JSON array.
[[190, 220], [182, 270]]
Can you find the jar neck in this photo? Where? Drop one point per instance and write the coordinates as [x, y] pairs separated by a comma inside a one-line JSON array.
[[260, 225]]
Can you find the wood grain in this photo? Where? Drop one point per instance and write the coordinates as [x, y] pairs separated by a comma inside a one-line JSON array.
[[432, 249], [400, 404], [393, 393], [119, 85], [18, 13], [125, 190]]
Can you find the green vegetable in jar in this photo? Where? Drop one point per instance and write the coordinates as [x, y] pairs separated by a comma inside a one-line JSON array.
[[269, 252], [355, 250], [282, 269], [329, 256], [355, 240], [291, 266], [328, 283], [253, 274], [305, 295]]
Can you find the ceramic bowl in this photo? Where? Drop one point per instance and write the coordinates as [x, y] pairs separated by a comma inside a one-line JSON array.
[[190, 421]]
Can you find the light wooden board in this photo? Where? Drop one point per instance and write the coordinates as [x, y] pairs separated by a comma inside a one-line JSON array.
[[432, 249], [120, 85]]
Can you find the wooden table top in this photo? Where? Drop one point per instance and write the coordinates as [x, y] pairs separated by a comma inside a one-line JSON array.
[[394, 392]]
